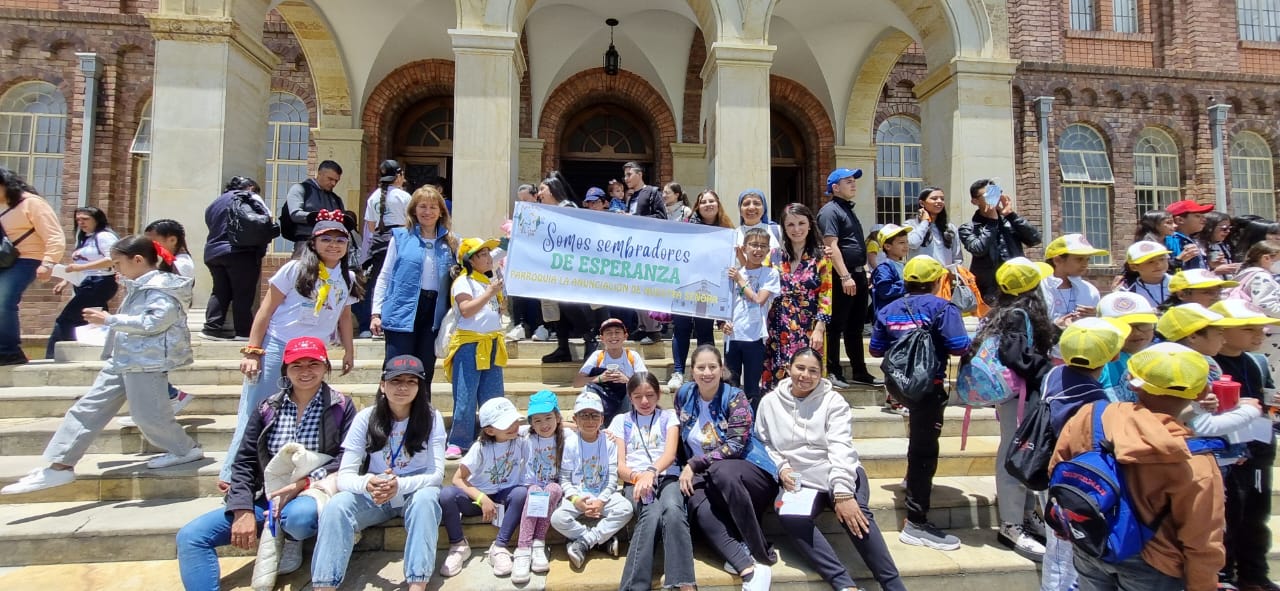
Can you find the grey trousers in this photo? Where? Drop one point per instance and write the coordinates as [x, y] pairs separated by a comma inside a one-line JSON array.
[[1014, 500], [615, 515], [148, 396]]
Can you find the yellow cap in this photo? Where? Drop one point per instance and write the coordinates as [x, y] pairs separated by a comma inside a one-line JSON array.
[[923, 268], [1144, 250], [1169, 369], [1198, 279], [1071, 244], [890, 230], [1180, 322], [1127, 307], [1019, 275], [1236, 312], [1092, 342], [471, 245]]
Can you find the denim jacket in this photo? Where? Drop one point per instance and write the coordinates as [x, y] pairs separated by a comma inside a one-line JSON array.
[[733, 421], [149, 332]]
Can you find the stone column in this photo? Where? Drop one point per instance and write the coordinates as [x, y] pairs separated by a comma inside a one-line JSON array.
[[530, 169], [346, 147], [486, 101], [967, 112], [209, 112], [689, 167], [736, 96], [91, 67]]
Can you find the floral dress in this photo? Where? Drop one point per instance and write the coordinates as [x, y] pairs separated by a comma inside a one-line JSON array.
[[805, 300]]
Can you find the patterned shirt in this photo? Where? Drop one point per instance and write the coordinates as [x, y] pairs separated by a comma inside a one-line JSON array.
[[288, 429]]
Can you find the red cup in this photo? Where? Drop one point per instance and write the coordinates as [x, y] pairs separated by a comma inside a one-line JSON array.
[[1228, 393]]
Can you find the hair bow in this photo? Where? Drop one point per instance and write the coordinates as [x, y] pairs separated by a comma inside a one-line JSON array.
[[326, 215], [163, 252]]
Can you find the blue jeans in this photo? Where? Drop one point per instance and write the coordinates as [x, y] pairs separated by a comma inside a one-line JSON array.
[[666, 514], [745, 360], [199, 540], [455, 504], [471, 388], [251, 397], [13, 281], [686, 326], [348, 513], [1134, 574], [93, 292]]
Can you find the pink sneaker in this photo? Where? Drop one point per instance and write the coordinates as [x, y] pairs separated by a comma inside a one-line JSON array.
[[453, 452]]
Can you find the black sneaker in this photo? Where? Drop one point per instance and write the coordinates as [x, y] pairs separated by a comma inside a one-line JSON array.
[[867, 379], [14, 359]]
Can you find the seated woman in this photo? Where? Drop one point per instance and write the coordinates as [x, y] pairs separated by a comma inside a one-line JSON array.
[[307, 411], [727, 474], [392, 465], [805, 427]]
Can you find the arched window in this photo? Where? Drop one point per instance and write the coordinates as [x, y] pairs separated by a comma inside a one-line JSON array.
[[1155, 170], [606, 134], [1086, 176], [141, 150], [434, 129], [1252, 185], [899, 177], [33, 135], [288, 143]]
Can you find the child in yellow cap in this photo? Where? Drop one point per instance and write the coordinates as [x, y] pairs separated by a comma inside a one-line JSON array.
[[1162, 478], [886, 280], [1196, 286], [1071, 296], [1146, 271], [1197, 328]]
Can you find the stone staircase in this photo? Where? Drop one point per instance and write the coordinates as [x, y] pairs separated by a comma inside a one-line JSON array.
[[114, 527]]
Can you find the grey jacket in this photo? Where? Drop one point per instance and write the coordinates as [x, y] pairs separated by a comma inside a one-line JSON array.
[[149, 332]]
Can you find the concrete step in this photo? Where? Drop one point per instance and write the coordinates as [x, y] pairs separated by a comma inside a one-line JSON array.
[[979, 565], [53, 401]]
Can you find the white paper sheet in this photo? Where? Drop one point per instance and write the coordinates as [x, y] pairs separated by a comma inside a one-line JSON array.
[[538, 504], [92, 334], [497, 515], [61, 272], [799, 502]]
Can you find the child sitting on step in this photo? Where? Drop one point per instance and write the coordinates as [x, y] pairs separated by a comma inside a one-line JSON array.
[[608, 370], [590, 469], [545, 439]]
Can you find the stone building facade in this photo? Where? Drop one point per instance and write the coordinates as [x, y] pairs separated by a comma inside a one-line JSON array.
[[711, 93]]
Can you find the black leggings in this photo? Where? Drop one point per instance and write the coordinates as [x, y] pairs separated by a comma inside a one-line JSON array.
[[727, 503]]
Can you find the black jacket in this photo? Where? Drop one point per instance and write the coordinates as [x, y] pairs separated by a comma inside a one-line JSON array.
[[994, 241], [252, 457], [649, 202]]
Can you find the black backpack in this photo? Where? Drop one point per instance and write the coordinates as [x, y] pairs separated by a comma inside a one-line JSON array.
[[249, 223], [910, 365], [1032, 448]]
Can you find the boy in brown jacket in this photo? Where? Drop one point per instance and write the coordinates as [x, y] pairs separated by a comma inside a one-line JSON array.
[[1163, 477]]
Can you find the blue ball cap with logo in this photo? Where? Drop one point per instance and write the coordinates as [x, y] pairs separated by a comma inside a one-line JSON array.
[[543, 402], [840, 174], [593, 194]]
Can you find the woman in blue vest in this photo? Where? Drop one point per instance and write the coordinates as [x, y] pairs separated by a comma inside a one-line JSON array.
[[727, 475], [411, 295]]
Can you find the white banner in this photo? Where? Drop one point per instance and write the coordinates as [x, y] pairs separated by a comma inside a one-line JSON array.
[[594, 257]]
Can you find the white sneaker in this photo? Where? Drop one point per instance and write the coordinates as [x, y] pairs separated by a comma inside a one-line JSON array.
[[500, 560], [761, 580], [39, 479], [540, 563], [516, 333], [520, 570], [126, 421], [1021, 542], [290, 557], [179, 403], [677, 380], [170, 459], [458, 555], [541, 334]]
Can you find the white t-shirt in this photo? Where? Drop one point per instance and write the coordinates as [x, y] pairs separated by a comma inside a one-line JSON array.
[[496, 466], [488, 319], [397, 207], [96, 248], [749, 318], [1066, 300], [414, 471], [185, 264], [601, 358], [296, 316], [646, 437], [590, 467], [541, 467], [703, 431]]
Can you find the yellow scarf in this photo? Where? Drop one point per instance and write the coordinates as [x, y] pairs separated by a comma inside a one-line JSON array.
[[322, 292]]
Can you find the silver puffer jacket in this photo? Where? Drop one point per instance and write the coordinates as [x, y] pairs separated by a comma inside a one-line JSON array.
[[149, 332]]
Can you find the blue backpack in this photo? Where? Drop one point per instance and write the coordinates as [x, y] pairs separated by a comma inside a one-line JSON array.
[[1089, 503], [984, 380]]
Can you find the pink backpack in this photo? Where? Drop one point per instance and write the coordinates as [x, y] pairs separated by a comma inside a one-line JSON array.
[[1242, 291]]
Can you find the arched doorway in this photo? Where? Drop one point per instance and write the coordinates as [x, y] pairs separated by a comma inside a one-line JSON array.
[[787, 162], [598, 141], [424, 142]]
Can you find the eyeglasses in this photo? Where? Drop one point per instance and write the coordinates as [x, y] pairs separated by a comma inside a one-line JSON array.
[[758, 245], [330, 240], [589, 416]]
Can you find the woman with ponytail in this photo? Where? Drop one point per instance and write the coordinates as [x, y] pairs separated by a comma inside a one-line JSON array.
[[146, 339], [387, 209]]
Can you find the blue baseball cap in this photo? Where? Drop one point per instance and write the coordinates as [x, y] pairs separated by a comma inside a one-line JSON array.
[[593, 194], [543, 401], [840, 174]]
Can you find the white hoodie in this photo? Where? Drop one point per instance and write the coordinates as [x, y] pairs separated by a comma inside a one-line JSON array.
[[812, 435]]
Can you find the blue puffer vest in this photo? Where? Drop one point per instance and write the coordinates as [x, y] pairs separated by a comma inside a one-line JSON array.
[[400, 306]]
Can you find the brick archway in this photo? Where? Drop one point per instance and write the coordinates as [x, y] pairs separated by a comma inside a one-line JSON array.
[[627, 89], [805, 110], [399, 90]]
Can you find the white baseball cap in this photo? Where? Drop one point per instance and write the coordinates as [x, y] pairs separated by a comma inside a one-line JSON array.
[[498, 413], [1145, 250], [588, 400], [1127, 306]]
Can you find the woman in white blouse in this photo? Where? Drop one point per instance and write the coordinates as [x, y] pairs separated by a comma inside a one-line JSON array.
[[931, 233]]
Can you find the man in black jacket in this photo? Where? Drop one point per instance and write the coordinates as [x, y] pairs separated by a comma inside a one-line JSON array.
[[306, 199], [994, 235]]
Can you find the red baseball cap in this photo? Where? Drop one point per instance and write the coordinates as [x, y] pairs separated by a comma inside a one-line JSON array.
[[1187, 206], [305, 348]]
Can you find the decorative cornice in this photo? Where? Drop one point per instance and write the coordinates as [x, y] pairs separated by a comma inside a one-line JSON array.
[[212, 30]]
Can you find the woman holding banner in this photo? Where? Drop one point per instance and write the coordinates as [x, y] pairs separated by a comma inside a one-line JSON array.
[[409, 302], [800, 314]]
